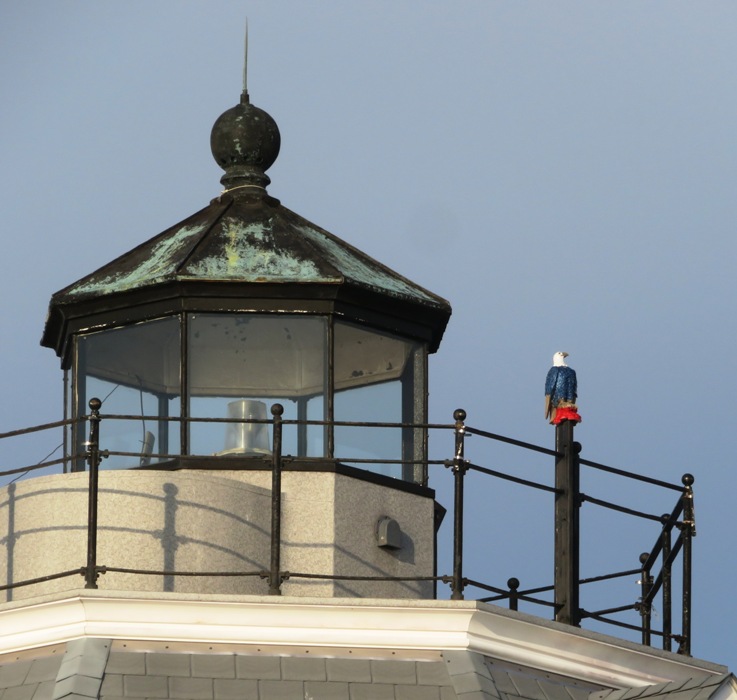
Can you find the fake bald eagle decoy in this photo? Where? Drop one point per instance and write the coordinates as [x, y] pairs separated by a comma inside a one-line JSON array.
[[561, 387]]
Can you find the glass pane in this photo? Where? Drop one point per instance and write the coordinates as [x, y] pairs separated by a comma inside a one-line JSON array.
[[378, 378], [378, 403], [242, 364], [315, 435], [134, 371]]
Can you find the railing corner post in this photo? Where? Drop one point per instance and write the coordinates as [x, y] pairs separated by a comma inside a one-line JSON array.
[[275, 578], [667, 598], [645, 605], [94, 457], [688, 533], [459, 469]]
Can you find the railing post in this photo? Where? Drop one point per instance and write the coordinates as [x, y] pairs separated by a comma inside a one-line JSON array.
[[513, 584], [667, 585], [459, 469], [274, 573], [688, 528], [567, 501], [94, 458], [646, 584]]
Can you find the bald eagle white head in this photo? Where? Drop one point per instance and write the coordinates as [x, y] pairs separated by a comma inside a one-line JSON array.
[[561, 388]]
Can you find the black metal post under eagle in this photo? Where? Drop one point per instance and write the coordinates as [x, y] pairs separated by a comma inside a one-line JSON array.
[[561, 388]]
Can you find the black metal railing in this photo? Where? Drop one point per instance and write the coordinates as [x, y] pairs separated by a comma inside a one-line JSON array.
[[656, 569]]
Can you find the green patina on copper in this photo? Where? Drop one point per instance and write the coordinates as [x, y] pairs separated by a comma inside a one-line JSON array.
[[259, 241], [250, 253], [160, 264], [364, 270]]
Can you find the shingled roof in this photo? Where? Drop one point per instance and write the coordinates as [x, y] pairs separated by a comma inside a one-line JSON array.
[[92, 668], [114, 645]]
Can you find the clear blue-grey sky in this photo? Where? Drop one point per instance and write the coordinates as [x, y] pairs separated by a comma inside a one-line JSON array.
[[562, 172]]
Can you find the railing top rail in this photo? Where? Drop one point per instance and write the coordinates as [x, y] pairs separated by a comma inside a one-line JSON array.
[[630, 475], [511, 441], [269, 421], [43, 426], [369, 424], [33, 467], [509, 477]]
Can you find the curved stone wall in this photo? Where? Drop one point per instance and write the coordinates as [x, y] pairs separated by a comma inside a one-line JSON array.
[[150, 520]]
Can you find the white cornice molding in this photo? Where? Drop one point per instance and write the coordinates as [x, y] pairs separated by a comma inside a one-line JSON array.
[[341, 623], [727, 691]]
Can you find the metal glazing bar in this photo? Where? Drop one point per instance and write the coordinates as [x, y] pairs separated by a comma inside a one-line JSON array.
[[184, 384], [329, 410], [65, 430]]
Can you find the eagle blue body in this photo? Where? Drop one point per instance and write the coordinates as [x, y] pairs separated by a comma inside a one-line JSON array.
[[561, 385]]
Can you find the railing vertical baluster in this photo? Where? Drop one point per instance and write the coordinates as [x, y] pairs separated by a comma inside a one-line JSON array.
[[513, 584], [12, 539], [688, 532], [275, 573], [93, 462], [646, 583], [667, 584], [459, 469]]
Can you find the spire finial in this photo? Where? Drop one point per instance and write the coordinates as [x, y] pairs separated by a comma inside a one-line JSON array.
[[244, 94], [245, 142]]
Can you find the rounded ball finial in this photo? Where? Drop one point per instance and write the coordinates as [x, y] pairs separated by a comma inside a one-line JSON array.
[[644, 557], [245, 142], [687, 479], [459, 414], [277, 409], [513, 583], [95, 404]]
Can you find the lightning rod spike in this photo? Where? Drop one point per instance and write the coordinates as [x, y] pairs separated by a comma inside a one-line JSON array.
[[244, 95]]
